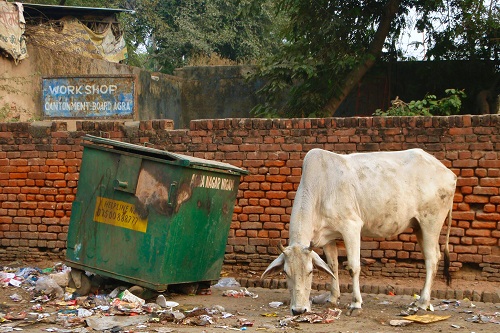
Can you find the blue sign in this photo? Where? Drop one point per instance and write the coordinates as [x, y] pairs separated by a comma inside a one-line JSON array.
[[88, 97]]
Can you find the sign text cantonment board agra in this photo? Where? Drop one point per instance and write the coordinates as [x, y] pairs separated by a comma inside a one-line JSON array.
[[88, 97]]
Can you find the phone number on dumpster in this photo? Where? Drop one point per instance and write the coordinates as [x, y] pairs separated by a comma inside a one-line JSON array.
[[119, 213]]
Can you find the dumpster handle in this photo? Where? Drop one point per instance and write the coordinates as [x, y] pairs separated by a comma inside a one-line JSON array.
[[120, 184], [171, 192]]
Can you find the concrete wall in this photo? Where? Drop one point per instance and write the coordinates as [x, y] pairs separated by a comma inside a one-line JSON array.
[[213, 92], [158, 95], [39, 165], [194, 93]]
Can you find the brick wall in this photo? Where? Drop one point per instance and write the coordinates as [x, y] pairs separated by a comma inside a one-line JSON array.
[[39, 173]]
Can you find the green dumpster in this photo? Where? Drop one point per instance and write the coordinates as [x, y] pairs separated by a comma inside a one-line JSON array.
[[150, 217]]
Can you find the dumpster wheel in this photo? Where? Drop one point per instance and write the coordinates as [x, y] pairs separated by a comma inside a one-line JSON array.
[[137, 290], [79, 281]]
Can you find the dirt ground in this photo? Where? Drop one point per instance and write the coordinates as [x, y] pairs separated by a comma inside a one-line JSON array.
[[251, 311]]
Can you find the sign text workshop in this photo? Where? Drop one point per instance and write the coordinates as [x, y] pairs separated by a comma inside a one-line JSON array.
[[81, 97]]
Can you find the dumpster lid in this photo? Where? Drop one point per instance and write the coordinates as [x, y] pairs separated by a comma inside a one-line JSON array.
[[163, 154]]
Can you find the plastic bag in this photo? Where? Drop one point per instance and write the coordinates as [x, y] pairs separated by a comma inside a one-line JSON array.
[[227, 282], [49, 287]]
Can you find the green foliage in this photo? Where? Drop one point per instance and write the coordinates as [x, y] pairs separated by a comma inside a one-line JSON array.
[[173, 32], [326, 41], [165, 34], [429, 106], [461, 30], [323, 41]]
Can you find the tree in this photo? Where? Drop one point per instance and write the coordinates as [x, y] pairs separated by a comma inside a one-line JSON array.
[[329, 45], [165, 34], [173, 31]]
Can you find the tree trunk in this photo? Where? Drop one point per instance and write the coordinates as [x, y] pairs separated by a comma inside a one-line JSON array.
[[374, 51]]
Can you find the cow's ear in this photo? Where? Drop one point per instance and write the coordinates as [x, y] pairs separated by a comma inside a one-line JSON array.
[[321, 265], [275, 267]]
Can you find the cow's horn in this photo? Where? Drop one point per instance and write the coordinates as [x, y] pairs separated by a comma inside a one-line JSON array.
[[280, 247], [310, 246]]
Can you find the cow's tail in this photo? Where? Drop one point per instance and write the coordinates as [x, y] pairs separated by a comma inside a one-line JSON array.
[[446, 270]]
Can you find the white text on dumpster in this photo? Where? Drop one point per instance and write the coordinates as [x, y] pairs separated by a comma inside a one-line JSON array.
[[212, 182]]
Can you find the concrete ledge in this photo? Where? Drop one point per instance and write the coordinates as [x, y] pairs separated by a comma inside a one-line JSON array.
[[475, 296]]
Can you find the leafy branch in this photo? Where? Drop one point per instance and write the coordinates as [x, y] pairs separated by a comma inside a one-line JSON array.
[[429, 106]]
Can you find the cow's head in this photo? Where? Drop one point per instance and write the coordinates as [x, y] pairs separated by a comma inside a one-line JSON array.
[[297, 262]]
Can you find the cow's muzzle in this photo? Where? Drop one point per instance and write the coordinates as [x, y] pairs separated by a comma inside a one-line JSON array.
[[298, 311]]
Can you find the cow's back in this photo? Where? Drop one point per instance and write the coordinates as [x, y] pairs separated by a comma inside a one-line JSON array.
[[388, 191]]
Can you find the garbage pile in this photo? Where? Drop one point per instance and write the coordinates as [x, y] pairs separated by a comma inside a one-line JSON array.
[[50, 296], [45, 296], [325, 317], [440, 311]]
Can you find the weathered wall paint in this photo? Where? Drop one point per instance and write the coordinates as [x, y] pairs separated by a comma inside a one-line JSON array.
[[158, 95]]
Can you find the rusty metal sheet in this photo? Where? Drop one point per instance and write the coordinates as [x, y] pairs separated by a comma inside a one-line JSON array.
[[88, 97]]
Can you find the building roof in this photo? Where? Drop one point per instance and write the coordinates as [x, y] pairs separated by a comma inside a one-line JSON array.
[[57, 12]]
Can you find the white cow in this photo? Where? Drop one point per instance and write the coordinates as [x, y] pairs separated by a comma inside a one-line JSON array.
[[376, 194]]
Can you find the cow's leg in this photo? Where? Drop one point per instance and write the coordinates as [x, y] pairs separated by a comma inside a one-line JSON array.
[[429, 244], [332, 259], [352, 240]]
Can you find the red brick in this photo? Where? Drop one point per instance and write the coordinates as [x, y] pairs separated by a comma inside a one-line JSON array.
[[464, 163], [485, 190], [237, 241], [276, 194], [484, 225], [466, 190], [469, 216], [6, 219], [464, 249], [460, 131], [253, 210], [53, 161], [240, 233], [478, 233], [473, 258], [484, 249], [14, 190], [476, 199], [369, 245], [489, 163], [390, 254], [488, 208], [251, 233], [495, 200], [391, 246], [251, 225], [12, 234], [254, 194], [276, 178], [259, 241], [9, 205], [254, 178], [485, 241], [275, 210], [480, 172], [55, 176], [495, 182], [472, 181], [274, 225], [493, 259], [18, 161]]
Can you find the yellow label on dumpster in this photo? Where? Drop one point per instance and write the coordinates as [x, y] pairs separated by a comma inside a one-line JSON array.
[[119, 213]]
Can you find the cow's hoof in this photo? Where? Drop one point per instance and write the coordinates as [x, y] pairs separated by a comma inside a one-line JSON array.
[[354, 312], [410, 311]]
